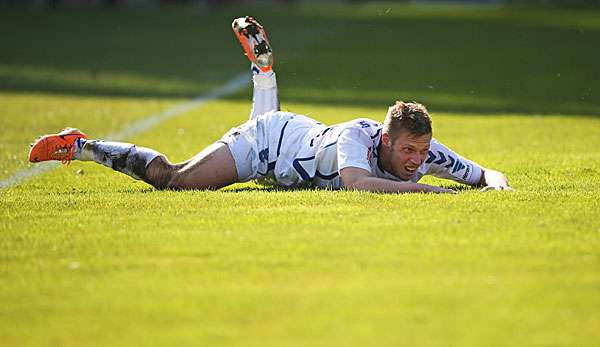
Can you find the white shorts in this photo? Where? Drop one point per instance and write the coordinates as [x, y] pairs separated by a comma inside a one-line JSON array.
[[249, 144], [240, 141], [262, 147]]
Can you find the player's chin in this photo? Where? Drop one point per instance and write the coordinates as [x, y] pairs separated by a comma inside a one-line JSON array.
[[407, 174]]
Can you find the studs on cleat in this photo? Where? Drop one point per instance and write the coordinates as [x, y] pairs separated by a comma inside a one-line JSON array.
[[254, 41], [251, 30], [262, 48]]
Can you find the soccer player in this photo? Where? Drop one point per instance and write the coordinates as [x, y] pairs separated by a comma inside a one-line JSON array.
[[289, 149]]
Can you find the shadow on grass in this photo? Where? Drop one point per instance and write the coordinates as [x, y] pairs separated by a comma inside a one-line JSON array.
[[151, 190], [484, 62], [268, 189], [271, 189]]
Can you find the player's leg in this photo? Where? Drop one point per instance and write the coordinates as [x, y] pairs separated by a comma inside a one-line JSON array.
[[264, 95], [255, 42], [212, 168]]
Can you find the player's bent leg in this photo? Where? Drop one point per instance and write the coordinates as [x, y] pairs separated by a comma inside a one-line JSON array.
[[255, 43], [264, 95], [212, 168]]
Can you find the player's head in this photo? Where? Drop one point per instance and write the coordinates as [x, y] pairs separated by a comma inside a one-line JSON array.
[[406, 138]]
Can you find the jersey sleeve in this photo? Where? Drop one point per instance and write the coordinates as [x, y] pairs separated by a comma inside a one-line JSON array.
[[353, 149], [445, 163]]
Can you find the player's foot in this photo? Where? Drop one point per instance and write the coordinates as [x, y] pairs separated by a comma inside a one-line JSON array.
[[59, 146], [255, 42]]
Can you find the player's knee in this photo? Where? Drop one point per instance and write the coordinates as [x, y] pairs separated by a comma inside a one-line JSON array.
[[176, 182], [180, 181], [160, 172]]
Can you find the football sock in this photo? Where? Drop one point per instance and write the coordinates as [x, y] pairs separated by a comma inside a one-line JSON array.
[[123, 157], [263, 80], [264, 98]]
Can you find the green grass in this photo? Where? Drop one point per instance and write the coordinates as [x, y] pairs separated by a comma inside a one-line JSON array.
[[91, 257]]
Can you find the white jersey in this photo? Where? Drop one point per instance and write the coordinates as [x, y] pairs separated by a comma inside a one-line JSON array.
[[293, 150], [298, 151]]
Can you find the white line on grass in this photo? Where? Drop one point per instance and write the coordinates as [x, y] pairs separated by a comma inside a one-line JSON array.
[[231, 87]]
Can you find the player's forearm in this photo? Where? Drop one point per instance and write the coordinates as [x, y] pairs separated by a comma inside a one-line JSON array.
[[382, 185]]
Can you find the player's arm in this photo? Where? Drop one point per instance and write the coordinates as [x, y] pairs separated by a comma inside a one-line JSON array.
[[360, 179], [445, 163]]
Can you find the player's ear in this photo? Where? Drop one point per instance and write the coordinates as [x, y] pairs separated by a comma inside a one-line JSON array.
[[385, 138]]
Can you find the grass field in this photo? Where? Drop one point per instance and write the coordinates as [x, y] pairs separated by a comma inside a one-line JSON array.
[[91, 257]]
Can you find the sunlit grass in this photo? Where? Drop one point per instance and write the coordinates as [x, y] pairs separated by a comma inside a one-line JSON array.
[[92, 257]]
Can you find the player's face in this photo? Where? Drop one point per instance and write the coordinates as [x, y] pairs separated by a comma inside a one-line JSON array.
[[407, 153]]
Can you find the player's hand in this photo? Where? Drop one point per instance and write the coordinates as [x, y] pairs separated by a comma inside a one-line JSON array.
[[488, 188], [495, 180]]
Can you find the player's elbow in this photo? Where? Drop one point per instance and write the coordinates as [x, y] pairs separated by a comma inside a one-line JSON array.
[[354, 178]]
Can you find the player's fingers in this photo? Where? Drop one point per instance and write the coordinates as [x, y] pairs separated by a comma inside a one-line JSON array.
[[497, 188]]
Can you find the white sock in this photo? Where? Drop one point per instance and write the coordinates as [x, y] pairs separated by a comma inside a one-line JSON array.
[[264, 97]]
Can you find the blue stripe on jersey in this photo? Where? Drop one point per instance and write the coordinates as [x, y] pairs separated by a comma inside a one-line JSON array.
[[296, 164], [329, 145], [327, 177], [305, 176], [376, 134], [281, 138], [431, 157]]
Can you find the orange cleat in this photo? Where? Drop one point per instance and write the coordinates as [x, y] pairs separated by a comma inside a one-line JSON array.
[[59, 146], [255, 42]]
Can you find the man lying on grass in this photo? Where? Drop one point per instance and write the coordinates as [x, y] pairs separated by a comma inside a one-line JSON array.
[[288, 149]]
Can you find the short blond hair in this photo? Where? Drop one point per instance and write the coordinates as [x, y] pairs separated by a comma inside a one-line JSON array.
[[410, 117]]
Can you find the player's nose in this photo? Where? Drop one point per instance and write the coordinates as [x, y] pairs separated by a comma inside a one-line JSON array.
[[416, 159]]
